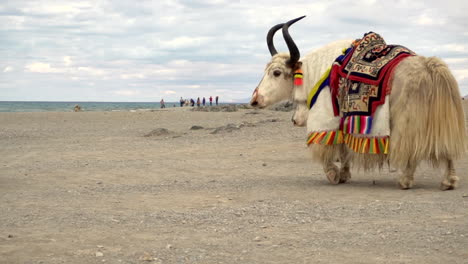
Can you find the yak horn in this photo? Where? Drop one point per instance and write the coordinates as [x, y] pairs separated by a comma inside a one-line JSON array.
[[293, 50], [270, 35]]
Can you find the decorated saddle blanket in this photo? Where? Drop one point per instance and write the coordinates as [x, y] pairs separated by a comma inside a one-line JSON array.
[[359, 83], [360, 79]]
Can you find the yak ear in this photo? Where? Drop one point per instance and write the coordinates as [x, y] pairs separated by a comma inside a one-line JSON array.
[[296, 66]]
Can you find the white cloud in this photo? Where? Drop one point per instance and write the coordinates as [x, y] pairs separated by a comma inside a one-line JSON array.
[[456, 60], [455, 47], [170, 92], [428, 20], [67, 61], [132, 76], [54, 8], [127, 92], [90, 71], [41, 67], [8, 69], [184, 42], [461, 75]]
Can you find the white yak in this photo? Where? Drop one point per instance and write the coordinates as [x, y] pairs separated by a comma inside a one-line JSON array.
[[426, 119]]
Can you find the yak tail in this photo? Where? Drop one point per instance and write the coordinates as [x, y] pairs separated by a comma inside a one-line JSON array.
[[427, 118]]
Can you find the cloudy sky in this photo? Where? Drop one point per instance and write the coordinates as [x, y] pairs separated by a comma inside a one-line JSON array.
[[127, 50]]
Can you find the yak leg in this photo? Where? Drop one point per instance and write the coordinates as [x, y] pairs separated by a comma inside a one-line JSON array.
[[406, 180], [332, 172], [450, 179], [345, 173]]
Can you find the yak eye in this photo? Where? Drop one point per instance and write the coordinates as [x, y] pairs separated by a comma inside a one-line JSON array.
[[277, 73]]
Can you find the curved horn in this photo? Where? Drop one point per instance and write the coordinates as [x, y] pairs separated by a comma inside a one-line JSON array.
[[270, 35], [293, 50]]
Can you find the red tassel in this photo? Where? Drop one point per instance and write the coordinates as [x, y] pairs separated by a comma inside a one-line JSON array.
[[298, 77]]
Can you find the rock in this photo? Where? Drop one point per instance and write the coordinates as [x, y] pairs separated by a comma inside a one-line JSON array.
[[247, 124], [264, 164], [216, 108], [146, 257], [228, 128], [196, 128], [283, 106], [257, 239], [158, 132], [99, 254], [244, 106]]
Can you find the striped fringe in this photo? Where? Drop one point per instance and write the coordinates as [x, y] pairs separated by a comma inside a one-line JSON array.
[[325, 138], [364, 145], [357, 124]]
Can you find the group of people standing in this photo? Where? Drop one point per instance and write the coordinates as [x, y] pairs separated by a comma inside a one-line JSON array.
[[199, 102], [191, 102]]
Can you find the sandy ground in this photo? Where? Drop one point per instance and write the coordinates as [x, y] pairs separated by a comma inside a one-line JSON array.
[[89, 187]]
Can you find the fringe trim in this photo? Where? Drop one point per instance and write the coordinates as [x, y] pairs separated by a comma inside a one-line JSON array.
[[325, 138], [363, 145]]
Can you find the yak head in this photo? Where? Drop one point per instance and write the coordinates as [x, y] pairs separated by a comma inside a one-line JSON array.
[[277, 82]]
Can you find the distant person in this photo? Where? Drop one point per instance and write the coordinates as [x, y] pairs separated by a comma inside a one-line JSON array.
[[211, 100], [182, 101], [217, 100], [162, 103], [198, 102], [187, 103], [192, 102], [203, 101], [77, 108]]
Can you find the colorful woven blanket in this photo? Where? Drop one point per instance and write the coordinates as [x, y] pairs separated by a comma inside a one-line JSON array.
[[359, 82], [361, 78]]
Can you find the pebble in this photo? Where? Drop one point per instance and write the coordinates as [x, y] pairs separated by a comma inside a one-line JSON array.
[[169, 246], [99, 254], [146, 257], [264, 164], [256, 239]]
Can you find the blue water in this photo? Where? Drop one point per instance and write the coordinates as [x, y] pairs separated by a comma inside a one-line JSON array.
[[10, 106]]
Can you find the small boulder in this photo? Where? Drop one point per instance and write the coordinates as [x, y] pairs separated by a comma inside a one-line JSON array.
[[196, 128], [158, 132]]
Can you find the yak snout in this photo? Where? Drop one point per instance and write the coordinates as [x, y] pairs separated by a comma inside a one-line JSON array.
[[293, 120], [257, 100]]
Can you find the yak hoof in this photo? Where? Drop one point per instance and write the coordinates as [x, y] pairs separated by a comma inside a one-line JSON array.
[[405, 183], [449, 184], [345, 175], [333, 176]]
